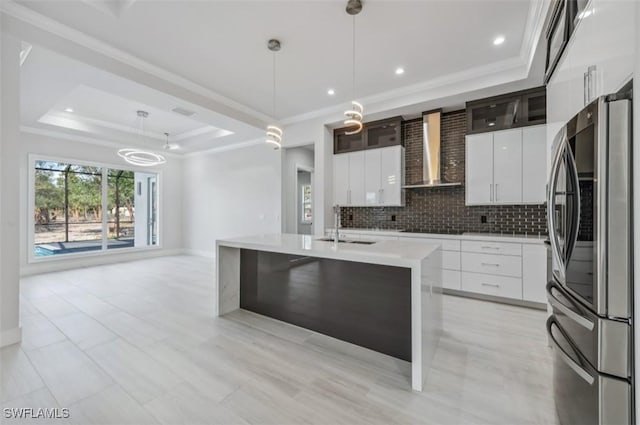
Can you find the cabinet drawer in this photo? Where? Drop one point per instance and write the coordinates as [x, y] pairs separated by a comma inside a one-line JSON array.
[[503, 265], [451, 279], [451, 260], [499, 286], [502, 248]]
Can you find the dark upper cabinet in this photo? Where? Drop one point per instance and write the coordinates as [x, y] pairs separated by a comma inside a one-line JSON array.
[[343, 142], [375, 134], [387, 132], [519, 109]]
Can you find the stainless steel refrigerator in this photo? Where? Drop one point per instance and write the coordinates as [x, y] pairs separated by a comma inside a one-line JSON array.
[[589, 213]]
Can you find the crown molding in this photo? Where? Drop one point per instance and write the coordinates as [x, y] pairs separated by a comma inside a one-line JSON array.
[[24, 14], [84, 139], [538, 10]]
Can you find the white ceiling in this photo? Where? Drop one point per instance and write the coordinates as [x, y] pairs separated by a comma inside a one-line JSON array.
[[221, 45], [104, 108]]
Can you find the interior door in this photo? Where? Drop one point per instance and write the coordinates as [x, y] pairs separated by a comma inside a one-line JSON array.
[[507, 166], [479, 169]]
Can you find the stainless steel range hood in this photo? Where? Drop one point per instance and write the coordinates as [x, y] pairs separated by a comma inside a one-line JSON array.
[[431, 153]]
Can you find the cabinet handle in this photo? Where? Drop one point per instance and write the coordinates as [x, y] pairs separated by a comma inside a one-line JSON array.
[[495, 285], [491, 247], [349, 196], [490, 192], [382, 196], [490, 264], [496, 185]]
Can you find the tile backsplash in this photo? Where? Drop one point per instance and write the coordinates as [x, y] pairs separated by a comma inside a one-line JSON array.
[[443, 210]]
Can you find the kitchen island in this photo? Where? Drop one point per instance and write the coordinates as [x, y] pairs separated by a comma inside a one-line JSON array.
[[384, 296]]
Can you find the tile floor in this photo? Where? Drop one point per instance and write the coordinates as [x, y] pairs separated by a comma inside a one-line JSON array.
[[137, 343]]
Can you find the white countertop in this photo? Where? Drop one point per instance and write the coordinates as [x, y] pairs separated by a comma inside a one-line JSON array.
[[498, 237], [401, 253]]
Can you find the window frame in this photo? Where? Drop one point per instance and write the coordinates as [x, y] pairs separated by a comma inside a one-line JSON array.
[[105, 166]]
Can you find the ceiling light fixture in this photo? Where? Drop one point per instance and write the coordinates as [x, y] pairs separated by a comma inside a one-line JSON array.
[[274, 133], [170, 146], [498, 40], [331, 92], [399, 71], [141, 158], [354, 116], [68, 110]]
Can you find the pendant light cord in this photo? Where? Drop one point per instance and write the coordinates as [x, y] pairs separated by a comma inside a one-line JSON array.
[[274, 85], [354, 59]]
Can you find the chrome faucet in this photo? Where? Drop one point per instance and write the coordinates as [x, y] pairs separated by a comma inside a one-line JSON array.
[[336, 211]]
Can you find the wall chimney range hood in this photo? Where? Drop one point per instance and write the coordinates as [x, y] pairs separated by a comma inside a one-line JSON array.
[[431, 153]]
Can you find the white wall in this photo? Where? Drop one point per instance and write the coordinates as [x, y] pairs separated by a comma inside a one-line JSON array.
[[230, 194], [292, 158], [170, 197], [317, 133], [636, 195], [9, 212]]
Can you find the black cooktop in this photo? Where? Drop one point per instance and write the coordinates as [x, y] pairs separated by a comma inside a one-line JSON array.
[[437, 232]]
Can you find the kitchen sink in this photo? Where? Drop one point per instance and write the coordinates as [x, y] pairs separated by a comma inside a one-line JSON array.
[[348, 241]]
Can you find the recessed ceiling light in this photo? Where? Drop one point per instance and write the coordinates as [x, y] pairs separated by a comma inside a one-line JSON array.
[[399, 70], [331, 92], [68, 110], [498, 40]]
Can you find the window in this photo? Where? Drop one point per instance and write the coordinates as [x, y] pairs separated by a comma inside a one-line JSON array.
[[306, 203], [83, 208]]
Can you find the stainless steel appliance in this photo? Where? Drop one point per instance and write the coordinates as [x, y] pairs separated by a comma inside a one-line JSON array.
[[590, 230]]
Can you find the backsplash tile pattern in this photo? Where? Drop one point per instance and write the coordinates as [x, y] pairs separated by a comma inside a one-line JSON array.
[[443, 210]]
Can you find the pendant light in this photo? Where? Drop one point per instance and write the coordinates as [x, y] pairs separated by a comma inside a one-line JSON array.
[[274, 133], [139, 157], [354, 115], [170, 146]]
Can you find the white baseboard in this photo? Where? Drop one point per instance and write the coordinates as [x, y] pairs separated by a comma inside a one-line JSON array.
[[95, 260], [200, 253], [11, 336]]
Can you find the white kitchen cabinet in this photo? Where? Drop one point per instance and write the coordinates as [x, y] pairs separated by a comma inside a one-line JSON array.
[[341, 179], [534, 275], [507, 166], [495, 170], [479, 172], [391, 176], [603, 39], [356, 178], [534, 161], [372, 177]]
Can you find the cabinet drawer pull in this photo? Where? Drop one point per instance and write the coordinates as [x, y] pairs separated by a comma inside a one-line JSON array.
[[490, 264], [495, 285], [491, 247]]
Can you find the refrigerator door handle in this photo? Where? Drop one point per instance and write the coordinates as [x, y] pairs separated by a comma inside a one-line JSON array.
[[572, 238], [555, 302], [579, 370], [561, 140]]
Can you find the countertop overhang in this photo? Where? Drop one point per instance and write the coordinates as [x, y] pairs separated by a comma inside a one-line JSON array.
[[391, 253]]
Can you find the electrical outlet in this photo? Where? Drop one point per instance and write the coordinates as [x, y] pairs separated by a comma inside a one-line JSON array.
[[483, 219], [393, 217]]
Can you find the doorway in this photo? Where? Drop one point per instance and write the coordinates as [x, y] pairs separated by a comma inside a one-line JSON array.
[[304, 202]]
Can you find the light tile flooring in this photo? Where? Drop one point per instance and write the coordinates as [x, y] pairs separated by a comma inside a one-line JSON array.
[[137, 343]]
